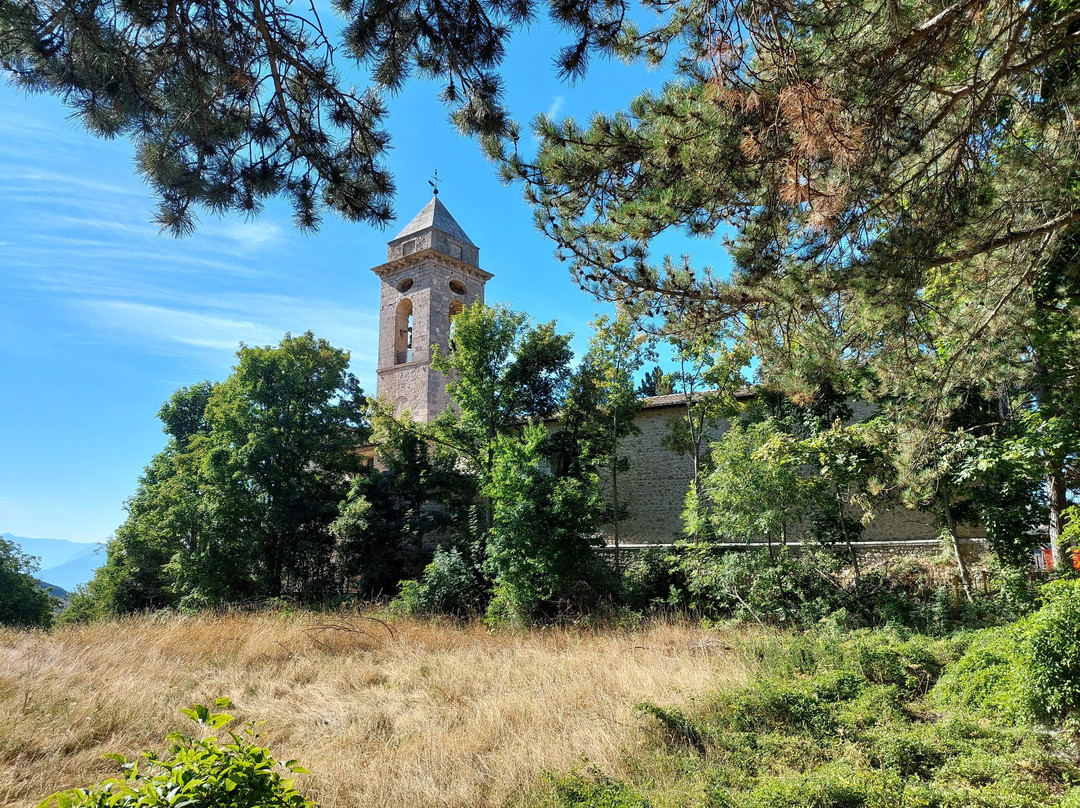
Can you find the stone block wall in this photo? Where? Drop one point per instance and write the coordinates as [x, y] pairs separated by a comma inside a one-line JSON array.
[[433, 239], [433, 283], [655, 485]]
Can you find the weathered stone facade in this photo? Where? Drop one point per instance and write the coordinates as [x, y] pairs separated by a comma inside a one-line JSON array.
[[432, 271], [655, 485]]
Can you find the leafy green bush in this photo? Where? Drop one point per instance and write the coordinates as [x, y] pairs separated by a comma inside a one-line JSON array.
[[989, 679], [653, 579], [594, 790], [841, 720], [677, 728], [781, 590], [1053, 651], [542, 529], [838, 786], [196, 774], [449, 585]]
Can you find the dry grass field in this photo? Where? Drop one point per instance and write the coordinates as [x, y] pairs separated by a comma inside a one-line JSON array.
[[407, 714]]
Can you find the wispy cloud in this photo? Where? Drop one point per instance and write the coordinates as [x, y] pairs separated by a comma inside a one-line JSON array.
[[191, 325], [552, 112], [247, 236], [164, 326]]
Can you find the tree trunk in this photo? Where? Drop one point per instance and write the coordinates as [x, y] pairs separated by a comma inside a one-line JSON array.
[[1055, 482], [1056, 504], [847, 538], [696, 483], [615, 488], [950, 524]]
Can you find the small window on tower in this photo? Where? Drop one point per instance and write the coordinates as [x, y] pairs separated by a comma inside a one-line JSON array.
[[405, 285], [457, 287], [409, 247]]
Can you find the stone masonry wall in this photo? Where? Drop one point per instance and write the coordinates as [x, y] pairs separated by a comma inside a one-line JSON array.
[[413, 385], [654, 489], [433, 239]]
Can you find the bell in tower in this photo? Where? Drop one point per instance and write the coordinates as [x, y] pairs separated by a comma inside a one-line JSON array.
[[432, 272]]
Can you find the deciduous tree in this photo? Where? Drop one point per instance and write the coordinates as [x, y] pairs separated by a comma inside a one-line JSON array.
[[240, 502], [22, 600]]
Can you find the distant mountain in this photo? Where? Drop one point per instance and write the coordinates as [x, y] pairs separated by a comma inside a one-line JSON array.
[[57, 591], [65, 564]]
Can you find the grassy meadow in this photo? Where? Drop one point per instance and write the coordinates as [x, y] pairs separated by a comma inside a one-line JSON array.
[[673, 714], [409, 713]]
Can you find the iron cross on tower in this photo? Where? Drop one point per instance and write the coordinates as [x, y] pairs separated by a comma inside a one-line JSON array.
[[434, 182]]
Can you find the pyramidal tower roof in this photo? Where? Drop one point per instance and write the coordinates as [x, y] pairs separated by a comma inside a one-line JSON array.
[[435, 215]]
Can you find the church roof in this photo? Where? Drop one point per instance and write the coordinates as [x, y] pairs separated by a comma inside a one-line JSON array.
[[679, 399], [435, 215]]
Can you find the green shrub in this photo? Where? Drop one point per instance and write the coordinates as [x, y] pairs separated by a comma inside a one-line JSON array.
[[832, 786], [449, 585], [772, 706], [1071, 799], [22, 600], [653, 579], [1053, 651], [784, 590], [677, 729], [594, 790], [989, 679], [196, 774]]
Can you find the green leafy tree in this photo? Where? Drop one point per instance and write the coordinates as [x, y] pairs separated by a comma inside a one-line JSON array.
[[167, 516], [709, 378], [752, 493], [599, 410], [1052, 423], [540, 498], [898, 180], [544, 525], [240, 502], [22, 600], [817, 431], [283, 433], [502, 372], [418, 494], [656, 383]]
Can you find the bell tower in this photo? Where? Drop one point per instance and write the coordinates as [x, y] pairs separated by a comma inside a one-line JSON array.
[[432, 271]]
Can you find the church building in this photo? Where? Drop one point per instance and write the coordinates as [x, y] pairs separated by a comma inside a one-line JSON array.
[[432, 271]]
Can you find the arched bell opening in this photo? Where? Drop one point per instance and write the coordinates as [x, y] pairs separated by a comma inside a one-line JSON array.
[[403, 336], [456, 307]]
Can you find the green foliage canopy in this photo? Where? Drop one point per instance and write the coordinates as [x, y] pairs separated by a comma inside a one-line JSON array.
[[240, 502], [22, 600]]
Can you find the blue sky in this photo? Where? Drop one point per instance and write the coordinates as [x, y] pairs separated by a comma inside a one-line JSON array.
[[102, 317]]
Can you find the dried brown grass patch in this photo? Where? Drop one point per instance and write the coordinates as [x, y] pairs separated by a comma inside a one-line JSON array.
[[410, 713]]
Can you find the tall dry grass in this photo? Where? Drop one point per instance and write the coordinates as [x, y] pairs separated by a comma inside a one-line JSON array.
[[410, 714]]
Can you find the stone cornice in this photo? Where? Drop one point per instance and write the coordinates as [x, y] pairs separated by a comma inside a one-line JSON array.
[[416, 363], [416, 258]]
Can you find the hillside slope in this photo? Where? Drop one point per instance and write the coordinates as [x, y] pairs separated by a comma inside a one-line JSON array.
[[64, 563]]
